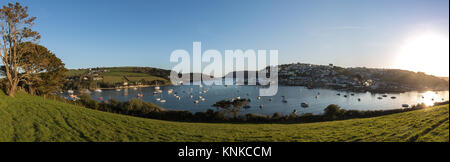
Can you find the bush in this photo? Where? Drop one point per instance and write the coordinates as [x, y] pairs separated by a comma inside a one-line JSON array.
[[277, 116], [333, 112], [257, 118]]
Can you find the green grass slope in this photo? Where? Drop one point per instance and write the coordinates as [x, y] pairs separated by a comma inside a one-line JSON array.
[[31, 118], [116, 75]]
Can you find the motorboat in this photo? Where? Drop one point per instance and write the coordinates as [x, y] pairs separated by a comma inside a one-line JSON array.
[[304, 105]]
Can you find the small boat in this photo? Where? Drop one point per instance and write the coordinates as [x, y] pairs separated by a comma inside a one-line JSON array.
[[203, 99], [259, 97], [384, 95], [345, 96], [380, 98], [270, 99], [338, 94], [100, 98], [238, 97], [284, 101], [117, 89], [169, 91], [304, 105], [405, 105], [140, 95], [157, 88], [162, 101], [352, 94], [135, 88], [158, 99], [246, 107], [294, 112], [393, 97], [98, 90], [70, 91], [261, 106], [196, 101], [73, 96], [359, 99]]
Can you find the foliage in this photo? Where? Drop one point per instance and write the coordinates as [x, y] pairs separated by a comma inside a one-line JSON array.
[[43, 71]]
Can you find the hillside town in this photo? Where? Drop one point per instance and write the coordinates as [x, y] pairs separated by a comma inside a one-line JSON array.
[[357, 79]]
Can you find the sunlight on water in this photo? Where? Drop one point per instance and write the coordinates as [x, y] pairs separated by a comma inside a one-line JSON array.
[[429, 98]]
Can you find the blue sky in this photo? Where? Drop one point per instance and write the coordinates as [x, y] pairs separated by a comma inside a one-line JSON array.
[[95, 33]]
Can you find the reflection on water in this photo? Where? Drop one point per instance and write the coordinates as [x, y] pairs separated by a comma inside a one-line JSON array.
[[194, 98], [429, 98]]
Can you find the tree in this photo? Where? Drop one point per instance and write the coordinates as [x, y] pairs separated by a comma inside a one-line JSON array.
[[43, 72], [237, 105], [333, 111], [15, 25]]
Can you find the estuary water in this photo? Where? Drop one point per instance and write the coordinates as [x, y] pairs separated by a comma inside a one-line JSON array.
[[294, 96]]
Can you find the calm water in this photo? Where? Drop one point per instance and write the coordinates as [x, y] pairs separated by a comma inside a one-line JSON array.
[[295, 95]]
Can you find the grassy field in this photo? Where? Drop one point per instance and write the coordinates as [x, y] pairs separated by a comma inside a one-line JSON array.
[[116, 75], [30, 118], [76, 72]]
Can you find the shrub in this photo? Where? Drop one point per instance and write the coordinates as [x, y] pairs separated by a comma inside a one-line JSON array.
[[333, 112]]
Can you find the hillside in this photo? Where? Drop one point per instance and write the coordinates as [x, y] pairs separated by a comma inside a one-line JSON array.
[[31, 118], [115, 76]]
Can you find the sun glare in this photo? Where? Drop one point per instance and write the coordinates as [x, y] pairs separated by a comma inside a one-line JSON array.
[[428, 98], [428, 52]]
